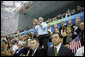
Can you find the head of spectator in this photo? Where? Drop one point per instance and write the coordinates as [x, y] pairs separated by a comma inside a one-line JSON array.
[[59, 16], [56, 39], [54, 19], [25, 38], [41, 19], [56, 31], [20, 38], [73, 11], [32, 34], [69, 30], [11, 44], [78, 20], [63, 23], [34, 21], [81, 26], [79, 7], [68, 11], [70, 22], [56, 26], [49, 20], [34, 44], [28, 44], [21, 44]]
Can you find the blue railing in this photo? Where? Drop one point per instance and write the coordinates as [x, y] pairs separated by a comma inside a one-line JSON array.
[[73, 18]]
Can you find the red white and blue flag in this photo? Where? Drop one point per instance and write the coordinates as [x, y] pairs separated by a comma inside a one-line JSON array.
[[75, 44]]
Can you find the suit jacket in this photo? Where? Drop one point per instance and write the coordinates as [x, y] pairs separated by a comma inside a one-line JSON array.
[[21, 52], [64, 51], [18, 52], [39, 52]]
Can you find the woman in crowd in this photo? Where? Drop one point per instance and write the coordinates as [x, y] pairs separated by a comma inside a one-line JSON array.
[[70, 36]]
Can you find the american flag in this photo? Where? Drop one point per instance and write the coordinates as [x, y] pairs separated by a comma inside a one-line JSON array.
[[75, 44]]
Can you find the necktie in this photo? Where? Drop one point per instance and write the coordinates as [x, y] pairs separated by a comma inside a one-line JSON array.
[[32, 53], [55, 51]]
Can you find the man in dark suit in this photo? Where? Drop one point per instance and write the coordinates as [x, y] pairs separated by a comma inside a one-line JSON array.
[[62, 28], [58, 49], [76, 26], [35, 49], [19, 51]]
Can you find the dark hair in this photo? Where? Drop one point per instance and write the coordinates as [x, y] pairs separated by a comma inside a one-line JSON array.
[[60, 36]]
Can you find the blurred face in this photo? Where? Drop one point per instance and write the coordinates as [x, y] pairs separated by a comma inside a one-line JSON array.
[[55, 39], [40, 19], [11, 45], [34, 21], [32, 33], [19, 46], [25, 38], [81, 26], [78, 21], [68, 11], [68, 30], [63, 23], [56, 31], [55, 26], [6, 46], [73, 11], [20, 38], [34, 44], [78, 7], [70, 22]]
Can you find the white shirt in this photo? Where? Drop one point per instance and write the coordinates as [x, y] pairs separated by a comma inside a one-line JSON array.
[[80, 51], [35, 50], [14, 48], [42, 30], [75, 29], [58, 47]]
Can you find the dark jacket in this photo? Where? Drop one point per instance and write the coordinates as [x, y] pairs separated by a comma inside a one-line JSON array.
[[39, 52], [64, 51], [65, 38]]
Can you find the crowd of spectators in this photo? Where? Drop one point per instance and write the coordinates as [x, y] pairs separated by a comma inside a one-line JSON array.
[[23, 45], [67, 14]]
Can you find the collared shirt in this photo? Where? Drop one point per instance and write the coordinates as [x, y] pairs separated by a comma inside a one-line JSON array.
[[34, 51], [14, 48], [17, 51], [41, 30], [58, 47], [76, 27]]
